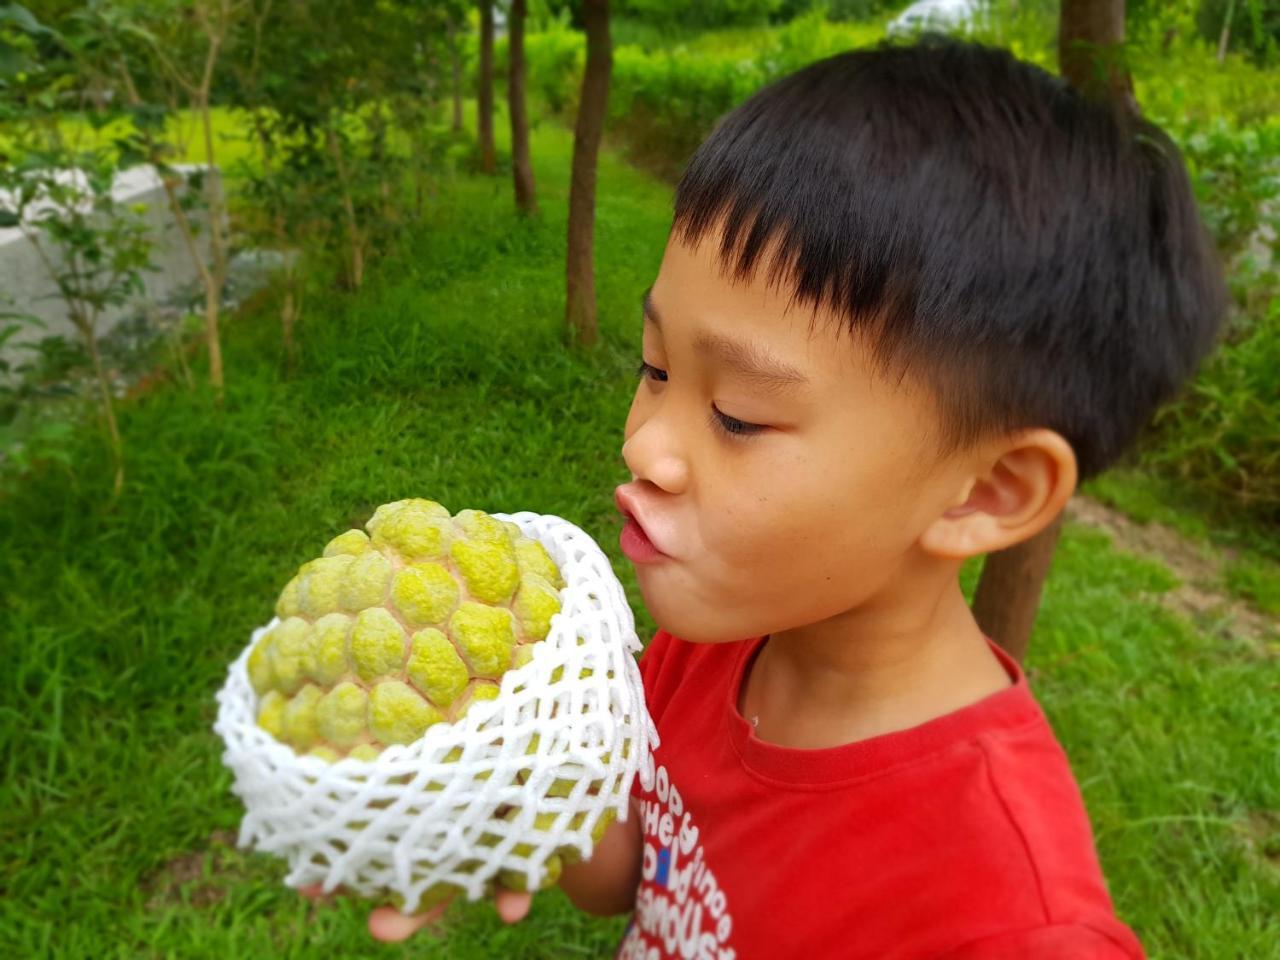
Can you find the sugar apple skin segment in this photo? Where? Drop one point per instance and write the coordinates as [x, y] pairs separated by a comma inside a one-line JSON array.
[[404, 626]]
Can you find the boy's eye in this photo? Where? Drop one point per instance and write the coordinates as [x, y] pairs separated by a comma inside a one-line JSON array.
[[645, 368], [725, 425]]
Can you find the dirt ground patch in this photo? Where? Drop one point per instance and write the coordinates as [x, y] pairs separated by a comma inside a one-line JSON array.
[[1200, 595], [187, 870]]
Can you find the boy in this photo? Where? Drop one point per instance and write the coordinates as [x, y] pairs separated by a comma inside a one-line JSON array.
[[1022, 278]]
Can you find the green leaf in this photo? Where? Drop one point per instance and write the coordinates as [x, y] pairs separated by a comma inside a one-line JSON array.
[[12, 60], [15, 14]]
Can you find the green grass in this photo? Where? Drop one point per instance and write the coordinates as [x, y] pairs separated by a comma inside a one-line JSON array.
[[447, 377]]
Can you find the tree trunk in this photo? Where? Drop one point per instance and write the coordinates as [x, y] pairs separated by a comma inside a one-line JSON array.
[[1091, 50], [1090, 44], [288, 309], [1008, 592], [213, 194], [521, 165], [212, 290], [355, 240], [580, 310], [455, 57], [484, 95], [1225, 37], [108, 405]]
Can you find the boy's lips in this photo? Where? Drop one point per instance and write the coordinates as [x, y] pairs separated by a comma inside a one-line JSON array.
[[625, 497]]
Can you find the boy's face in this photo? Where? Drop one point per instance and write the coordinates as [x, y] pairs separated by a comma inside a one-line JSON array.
[[807, 518]]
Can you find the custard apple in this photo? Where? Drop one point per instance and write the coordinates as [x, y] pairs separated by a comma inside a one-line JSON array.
[[404, 626]]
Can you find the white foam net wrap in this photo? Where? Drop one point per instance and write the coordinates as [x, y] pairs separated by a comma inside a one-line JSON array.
[[356, 823]]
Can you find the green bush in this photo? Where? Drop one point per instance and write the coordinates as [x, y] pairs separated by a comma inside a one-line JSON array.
[[839, 9], [1236, 174], [1220, 436], [1255, 26], [662, 104], [704, 14]]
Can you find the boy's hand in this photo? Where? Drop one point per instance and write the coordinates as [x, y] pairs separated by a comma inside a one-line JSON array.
[[390, 925]]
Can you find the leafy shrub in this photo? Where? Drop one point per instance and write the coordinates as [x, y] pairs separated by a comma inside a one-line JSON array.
[[662, 104], [1236, 174], [1254, 28], [837, 10], [1220, 436], [704, 14]]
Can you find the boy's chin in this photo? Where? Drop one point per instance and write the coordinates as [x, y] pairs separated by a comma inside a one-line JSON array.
[[691, 630]]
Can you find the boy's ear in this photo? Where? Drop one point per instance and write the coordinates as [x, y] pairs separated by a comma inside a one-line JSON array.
[[1014, 493]]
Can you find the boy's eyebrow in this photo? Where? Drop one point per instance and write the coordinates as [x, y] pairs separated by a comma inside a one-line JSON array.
[[751, 361]]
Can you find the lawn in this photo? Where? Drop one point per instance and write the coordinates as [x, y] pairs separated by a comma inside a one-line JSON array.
[[447, 377]]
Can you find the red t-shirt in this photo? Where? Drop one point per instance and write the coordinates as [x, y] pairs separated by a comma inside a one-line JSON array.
[[962, 838]]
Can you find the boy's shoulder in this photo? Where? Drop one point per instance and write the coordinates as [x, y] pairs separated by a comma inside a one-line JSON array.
[[966, 836]]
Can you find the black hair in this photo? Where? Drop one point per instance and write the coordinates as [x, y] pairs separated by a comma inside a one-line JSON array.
[[1038, 254]]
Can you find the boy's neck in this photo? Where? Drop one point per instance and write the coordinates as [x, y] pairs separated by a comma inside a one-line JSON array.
[[812, 688]]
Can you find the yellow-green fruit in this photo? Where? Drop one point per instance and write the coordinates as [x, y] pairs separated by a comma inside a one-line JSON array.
[[558, 672], [453, 756], [289, 652], [607, 816], [367, 580], [486, 637], [400, 626], [342, 715], [329, 648], [377, 644], [322, 578], [481, 691], [354, 542], [287, 604], [488, 567], [435, 667], [431, 897], [300, 724], [417, 531], [523, 654], [568, 853], [424, 593], [271, 713], [560, 788], [397, 714], [532, 557], [515, 879], [535, 603], [261, 676], [480, 527]]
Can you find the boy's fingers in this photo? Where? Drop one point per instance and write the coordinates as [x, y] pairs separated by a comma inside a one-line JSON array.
[[389, 924], [316, 892], [513, 906]]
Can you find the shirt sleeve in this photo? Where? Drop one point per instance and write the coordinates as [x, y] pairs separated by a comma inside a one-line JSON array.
[[1061, 941]]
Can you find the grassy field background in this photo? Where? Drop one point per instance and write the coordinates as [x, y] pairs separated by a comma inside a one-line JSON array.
[[446, 377]]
